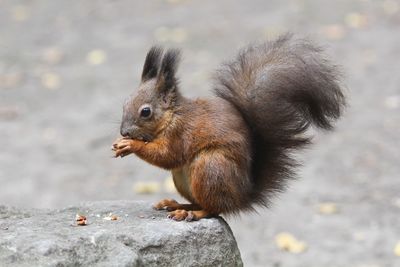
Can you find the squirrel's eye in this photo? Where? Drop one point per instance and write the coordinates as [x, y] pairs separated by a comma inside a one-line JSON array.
[[145, 112]]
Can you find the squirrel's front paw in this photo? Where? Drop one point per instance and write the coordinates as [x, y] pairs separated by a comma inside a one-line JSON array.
[[123, 147], [167, 204]]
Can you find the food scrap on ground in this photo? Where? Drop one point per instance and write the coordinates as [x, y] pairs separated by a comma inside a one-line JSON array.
[[146, 187], [111, 217], [286, 241], [397, 249], [328, 208], [80, 220], [96, 57]]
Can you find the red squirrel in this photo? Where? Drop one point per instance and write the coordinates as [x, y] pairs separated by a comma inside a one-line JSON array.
[[232, 152]]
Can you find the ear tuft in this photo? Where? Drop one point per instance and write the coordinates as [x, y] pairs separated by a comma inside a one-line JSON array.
[[152, 63], [169, 67]]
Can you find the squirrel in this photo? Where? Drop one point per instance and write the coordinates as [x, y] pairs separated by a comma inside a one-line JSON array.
[[234, 151]]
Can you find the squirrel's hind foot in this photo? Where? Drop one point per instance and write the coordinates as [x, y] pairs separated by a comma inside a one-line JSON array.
[[180, 212], [191, 215]]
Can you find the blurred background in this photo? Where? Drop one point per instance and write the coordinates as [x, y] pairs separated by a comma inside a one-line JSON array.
[[66, 67]]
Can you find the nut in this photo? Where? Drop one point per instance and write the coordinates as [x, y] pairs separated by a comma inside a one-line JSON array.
[[80, 220]]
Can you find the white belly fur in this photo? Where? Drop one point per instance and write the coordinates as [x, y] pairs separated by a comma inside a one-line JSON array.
[[182, 182]]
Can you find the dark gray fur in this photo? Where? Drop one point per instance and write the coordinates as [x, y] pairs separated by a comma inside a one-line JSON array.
[[280, 88]]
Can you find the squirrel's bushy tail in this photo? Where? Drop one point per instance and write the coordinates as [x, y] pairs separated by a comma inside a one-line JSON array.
[[280, 88]]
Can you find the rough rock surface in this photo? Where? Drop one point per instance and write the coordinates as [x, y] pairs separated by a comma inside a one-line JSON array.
[[140, 237]]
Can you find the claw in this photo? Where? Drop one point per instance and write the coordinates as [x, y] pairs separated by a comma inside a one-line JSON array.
[[190, 216]]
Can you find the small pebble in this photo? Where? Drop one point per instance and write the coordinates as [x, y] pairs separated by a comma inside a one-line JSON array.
[[287, 242], [397, 249], [356, 20], [96, 57], [327, 208], [358, 236], [51, 80], [146, 187]]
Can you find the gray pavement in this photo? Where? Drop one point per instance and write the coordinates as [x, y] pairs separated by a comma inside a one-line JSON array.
[[66, 67]]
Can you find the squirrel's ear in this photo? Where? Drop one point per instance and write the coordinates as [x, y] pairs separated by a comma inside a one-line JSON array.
[[169, 65], [152, 63]]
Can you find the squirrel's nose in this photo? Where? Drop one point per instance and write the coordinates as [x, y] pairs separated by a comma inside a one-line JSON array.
[[128, 130], [124, 132]]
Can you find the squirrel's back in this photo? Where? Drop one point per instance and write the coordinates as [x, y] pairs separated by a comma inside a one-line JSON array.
[[280, 88]]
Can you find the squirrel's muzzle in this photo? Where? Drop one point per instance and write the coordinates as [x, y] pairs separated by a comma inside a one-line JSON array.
[[128, 130], [124, 132]]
